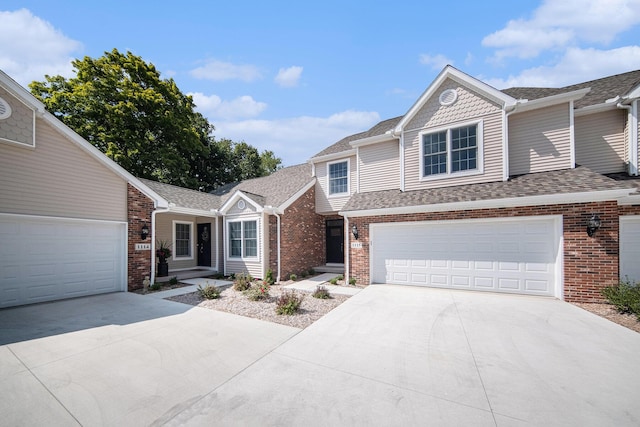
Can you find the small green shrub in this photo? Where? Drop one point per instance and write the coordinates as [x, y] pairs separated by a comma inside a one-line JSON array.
[[293, 277], [289, 302], [269, 280], [352, 281], [173, 280], [321, 292], [625, 296], [218, 276], [257, 291], [340, 277], [333, 281], [242, 282], [209, 291], [303, 274], [312, 272], [156, 286]]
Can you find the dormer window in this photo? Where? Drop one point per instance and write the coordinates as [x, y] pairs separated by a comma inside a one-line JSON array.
[[451, 151]]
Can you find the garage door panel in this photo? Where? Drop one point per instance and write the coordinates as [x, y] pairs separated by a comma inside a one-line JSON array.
[[492, 255], [56, 258]]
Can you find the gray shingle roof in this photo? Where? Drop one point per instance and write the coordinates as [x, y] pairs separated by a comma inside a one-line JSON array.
[[184, 197], [272, 190], [343, 145], [580, 179], [601, 89]]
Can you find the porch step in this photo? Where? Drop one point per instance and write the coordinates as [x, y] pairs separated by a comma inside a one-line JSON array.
[[186, 274], [336, 268]]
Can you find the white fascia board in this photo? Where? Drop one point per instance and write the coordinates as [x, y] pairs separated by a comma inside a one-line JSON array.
[[593, 109], [374, 140], [552, 100], [280, 209], [233, 199], [106, 161], [193, 212], [633, 199], [333, 156], [632, 94], [552, 199], [21, 93], [450, 72]]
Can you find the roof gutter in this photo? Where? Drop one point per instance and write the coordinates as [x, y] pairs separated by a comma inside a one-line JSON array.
[[333, 156]]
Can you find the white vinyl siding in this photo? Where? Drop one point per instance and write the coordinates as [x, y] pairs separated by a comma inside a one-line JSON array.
[[326, 203], [600, 142], [540, 140], [58, 178], [18, 128], [379, 167]]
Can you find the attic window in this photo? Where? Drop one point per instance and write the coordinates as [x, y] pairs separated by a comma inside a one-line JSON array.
[[448, 97], [5, 109]]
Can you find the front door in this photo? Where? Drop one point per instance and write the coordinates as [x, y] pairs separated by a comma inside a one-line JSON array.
[[335, 241], [204, 245]]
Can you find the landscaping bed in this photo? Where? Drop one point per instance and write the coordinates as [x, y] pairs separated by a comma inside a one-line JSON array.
[[236, 302], [609, 312]]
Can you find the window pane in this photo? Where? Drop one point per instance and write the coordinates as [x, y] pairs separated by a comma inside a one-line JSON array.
[[250, 247], [434, 147], [250, 238], [236, 248], [250, 229], [338, 178], [464, 149], [235, 230], [235, 239], [183, 240]]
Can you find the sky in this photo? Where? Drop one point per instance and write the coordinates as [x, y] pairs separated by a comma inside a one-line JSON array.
[[294, 77]]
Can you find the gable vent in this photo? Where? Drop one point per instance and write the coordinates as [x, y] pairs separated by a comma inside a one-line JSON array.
[[448, 97], [5, 109]]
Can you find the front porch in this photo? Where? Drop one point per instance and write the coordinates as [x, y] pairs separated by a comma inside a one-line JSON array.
[[187, 274], [336, 268]]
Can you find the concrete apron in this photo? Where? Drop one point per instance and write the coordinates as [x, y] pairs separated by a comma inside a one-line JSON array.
[[395, 355]]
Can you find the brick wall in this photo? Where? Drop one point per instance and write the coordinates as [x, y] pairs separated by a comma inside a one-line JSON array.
[[590, 263], [302, 237], [139, 209]]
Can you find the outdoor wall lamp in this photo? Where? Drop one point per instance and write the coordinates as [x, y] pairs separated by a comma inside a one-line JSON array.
[[354, 231], [593, 224], [144, 232]]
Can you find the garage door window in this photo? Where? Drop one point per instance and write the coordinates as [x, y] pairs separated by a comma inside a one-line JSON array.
[[451, 151]]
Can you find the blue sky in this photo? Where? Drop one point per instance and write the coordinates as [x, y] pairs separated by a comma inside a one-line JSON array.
[[295, 77]]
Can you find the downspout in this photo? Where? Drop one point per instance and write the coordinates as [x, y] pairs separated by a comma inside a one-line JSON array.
[[505, 147], [217, 245], [153, 243], [632, 121], [572, 135], [347, 273]]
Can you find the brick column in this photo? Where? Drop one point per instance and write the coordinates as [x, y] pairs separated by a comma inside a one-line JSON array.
[[139, 209]]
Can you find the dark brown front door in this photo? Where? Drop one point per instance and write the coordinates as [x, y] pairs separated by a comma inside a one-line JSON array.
[[204, 245], [335, 241]]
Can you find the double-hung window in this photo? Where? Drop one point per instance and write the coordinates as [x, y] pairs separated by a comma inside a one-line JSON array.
[[452, 151], [243, 239], [339, 177], [182, 239]]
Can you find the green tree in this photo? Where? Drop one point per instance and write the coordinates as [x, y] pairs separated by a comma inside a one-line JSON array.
[[119, 103]]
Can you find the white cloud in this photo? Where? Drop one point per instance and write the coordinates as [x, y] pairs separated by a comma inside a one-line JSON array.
[[561, 24], [577, 65], [296, 139], [437, 62], [31, 47], [289, 77], [220, 71], [216, 108]]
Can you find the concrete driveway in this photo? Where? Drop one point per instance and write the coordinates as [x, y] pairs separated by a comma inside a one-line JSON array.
[[390, 355]]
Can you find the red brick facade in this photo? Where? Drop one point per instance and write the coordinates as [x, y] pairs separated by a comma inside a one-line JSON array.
[[139, 209], [590, 263], [302, 237]]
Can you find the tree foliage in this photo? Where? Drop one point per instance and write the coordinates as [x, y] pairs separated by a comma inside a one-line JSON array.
[[120, 104]]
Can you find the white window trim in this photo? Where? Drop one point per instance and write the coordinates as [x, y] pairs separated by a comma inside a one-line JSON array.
[[345, 193], [228, 240], [480, 141], [175, 257]]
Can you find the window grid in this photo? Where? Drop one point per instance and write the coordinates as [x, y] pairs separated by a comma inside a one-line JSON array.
[[338, 178], [250, 239], [243, 239], [183, 240], [458, 144], [235, 239]]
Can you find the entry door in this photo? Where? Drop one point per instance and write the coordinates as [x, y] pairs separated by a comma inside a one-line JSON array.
[[204, 245], [335, 241]]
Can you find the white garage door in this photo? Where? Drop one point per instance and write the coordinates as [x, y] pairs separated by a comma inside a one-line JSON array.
[[507, 255], [630, 247], [45, 259]]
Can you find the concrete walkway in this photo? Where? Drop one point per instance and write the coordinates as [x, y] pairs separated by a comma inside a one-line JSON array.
[[310, 285], [193, 287]]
